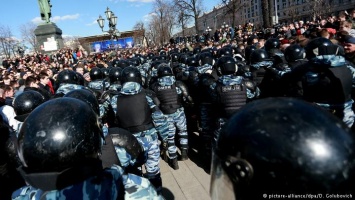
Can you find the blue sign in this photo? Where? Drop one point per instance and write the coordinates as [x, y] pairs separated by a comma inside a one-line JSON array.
[[121, 43]]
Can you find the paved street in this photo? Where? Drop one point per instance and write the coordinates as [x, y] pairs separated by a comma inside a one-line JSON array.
[[190, 181]]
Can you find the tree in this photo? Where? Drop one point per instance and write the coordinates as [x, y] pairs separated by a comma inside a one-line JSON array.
[[319, 7], [292, 10], [162, 22], [192, 9], [265, 13], [182, 20], [28, 34], [8, 43], [71, 42], [233, 6], [139, 32]]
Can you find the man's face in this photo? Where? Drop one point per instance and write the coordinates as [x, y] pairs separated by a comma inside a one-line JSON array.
[[45, 80], [349, 47], [80, 70]]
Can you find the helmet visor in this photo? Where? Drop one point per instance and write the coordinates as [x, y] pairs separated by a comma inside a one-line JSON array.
[[221, 185]]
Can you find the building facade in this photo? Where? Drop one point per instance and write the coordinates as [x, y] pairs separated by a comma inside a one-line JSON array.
[[251, 11]]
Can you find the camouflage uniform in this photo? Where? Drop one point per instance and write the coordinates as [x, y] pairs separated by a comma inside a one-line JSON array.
[[64, 88], [176, 120], [230, 80], [207, 123], [104, 104], [107, 185], [148, 138]]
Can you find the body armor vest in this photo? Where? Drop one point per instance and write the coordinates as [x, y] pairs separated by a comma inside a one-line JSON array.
[[168, 97], [327, 85], [133, 113], [231, 98]]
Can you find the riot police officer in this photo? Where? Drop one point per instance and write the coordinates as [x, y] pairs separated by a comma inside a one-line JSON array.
[[26, 102], [295, 56], [60, 152], [230, 92], [98, 82], [67, 80], [171, 94], [264, 79], [120, 147], [283, 146], [326, 79], [137, 111], [115, 80]]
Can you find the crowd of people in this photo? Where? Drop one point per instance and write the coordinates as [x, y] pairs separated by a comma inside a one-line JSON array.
[[273, 108]]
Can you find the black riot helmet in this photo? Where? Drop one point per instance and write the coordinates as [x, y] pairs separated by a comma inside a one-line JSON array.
[[320, 46], [258, 55], [164, 70], [81, 79], [192, 61], [282, 146], [58, 135], [196, 50], [162, 53], [135, 61], [87, 96], [150, 55], [122, 63], [248, 50], [67, 76], [294, 52], [210, 50], [155, 64], [155, 58], [26, 102], [185, 50], [115, 74], [272, 43], [96, 74], [131, 74], [225, 51], [163, 57], [226, 65], [106, 71], [174, 57], [206, 58], [183, 58]]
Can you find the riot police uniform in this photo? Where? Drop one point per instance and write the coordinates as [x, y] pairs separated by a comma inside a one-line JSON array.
[[326, 79], [67, 80], [138, 113], [282, 146], [230, 92], [171, 93], [61, 157]]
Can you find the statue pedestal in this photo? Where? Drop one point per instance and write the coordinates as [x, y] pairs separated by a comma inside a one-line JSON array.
[[49, 37]]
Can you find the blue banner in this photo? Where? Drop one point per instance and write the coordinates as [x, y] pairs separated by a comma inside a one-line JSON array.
[[121, 43]]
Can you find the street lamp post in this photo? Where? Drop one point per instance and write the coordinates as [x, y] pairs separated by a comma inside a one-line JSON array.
[[208, 31], [215, 20], [112, 22]]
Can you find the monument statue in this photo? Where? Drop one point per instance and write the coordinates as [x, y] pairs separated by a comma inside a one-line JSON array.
[[45, 9], [48, 35]]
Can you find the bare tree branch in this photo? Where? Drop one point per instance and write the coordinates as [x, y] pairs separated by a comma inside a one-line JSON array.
[[28, 35], [192, 9]]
